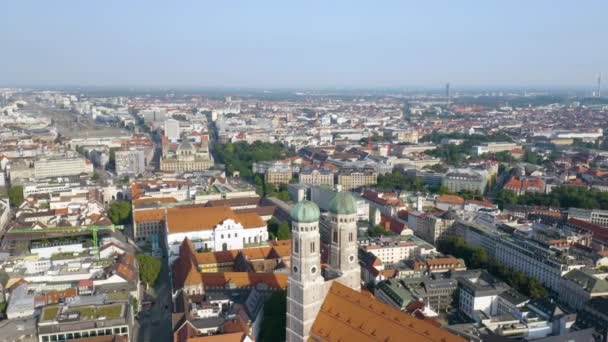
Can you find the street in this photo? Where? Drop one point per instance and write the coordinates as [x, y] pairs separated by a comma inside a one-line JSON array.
[[155, 323]]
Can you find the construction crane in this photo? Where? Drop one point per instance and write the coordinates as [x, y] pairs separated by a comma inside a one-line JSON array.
[[93, 229]]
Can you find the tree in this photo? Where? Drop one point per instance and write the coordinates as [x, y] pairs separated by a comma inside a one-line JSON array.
[[379, 231], [536, 289], [479, 258], [180, 117], [120, 212], [15, 195], [149, 269], [532, 157], [95, 176], [284, 232]]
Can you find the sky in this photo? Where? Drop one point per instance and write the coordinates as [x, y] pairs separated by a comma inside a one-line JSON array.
[[316, 44]]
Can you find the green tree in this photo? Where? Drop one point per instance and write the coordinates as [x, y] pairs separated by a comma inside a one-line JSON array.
[[95, 176], [479, 258], [240, 156], [284, 232], [536, 289], [532, 157], [149, 269], [120, 212], [273, 227], [15, 195], [376, 231]]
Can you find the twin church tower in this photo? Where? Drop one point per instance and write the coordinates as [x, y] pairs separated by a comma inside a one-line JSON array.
[[308, 285]]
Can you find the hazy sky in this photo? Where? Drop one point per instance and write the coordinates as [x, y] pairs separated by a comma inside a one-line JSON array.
[[324, 43]]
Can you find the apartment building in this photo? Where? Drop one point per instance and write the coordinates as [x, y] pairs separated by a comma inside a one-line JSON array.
[[460, 181], [391, 252], [310, 176], [523, 255], [578, 286], [595, 216], [523, 185], [352, 179], [429, 227], [278, 174], [130, 162]]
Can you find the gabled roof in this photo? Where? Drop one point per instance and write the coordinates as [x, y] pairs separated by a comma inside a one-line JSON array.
[[348, 315], [451, 199], [186, 219]]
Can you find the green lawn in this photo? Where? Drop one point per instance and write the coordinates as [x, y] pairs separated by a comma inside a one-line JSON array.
[[107, 311], [50, 313]]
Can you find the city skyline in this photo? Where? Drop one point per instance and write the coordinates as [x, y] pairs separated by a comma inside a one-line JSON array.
[[275, 45]]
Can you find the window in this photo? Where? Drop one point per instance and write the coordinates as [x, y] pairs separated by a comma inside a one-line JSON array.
[[296, 247], [350, 237], [222, 236], [312, 247], [335, 236]]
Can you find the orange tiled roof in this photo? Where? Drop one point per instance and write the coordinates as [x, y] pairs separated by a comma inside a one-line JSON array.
[[520, 183], [256, 253], [200, 218], [348, 315], [442, 261], [221, 257], [149, 215], [231, 337], [453, 199], [244, 279]]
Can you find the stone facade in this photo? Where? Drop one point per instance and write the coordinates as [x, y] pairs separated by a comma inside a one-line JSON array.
[[307, 287]]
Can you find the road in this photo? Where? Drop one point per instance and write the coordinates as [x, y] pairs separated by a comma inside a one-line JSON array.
[[155, 323]]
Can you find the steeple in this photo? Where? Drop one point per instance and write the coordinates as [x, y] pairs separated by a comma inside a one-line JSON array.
[[343, 230], [305, 288]]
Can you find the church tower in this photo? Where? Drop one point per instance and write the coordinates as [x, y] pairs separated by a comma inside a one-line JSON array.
[[305, 292], [343, 235]]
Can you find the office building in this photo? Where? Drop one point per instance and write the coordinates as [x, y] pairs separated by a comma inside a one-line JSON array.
[[172, 130], [130, 162]]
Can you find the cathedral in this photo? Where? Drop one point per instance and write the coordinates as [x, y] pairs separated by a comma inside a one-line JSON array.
[[325, 303], [308, 284]]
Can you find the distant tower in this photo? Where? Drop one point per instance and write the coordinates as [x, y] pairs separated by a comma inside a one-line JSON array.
[[305, 292], [599, 85], [343, 230], [448, 94]]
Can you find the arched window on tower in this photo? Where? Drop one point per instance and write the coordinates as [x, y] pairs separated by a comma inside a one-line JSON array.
[[350, 237], [335, 236], [296, 246], [312, 247]]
